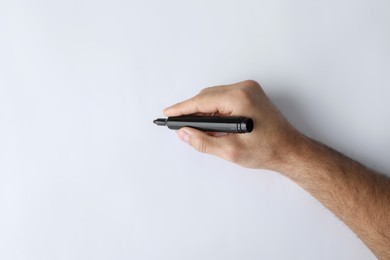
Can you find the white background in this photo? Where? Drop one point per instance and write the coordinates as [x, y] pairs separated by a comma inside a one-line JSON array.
[[84, 174]]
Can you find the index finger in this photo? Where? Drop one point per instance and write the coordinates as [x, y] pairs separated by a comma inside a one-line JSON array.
[[209, 102]]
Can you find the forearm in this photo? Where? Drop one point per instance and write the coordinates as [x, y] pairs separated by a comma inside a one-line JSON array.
[[357, 195]]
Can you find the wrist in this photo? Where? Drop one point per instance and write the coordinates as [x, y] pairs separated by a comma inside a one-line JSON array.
[[293, 153]]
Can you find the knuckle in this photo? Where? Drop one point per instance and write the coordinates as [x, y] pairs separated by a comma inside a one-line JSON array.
[[205, 90], [246, 94], [251, 83], [242, 95]]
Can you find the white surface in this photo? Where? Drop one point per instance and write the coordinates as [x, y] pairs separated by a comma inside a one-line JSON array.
[[84, 174]]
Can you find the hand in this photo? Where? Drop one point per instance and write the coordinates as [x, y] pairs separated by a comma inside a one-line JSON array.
[[265, 147]]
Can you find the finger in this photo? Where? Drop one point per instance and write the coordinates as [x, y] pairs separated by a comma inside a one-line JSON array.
[[205, 143], [212, 102]]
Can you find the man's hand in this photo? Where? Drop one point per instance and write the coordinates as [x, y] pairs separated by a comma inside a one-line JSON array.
[[357, 195], [268, 143]]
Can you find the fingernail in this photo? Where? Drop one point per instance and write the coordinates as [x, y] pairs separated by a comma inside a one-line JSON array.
[[184, 136]]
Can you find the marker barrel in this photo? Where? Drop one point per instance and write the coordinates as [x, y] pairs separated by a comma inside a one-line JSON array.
[[212, 123]]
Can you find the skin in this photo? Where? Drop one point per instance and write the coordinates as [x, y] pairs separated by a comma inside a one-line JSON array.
[[357, 195]]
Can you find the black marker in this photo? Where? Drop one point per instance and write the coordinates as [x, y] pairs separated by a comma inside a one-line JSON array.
[[237, 124]]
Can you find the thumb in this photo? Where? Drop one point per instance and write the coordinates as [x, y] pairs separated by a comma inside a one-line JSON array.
[[201, 141]]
